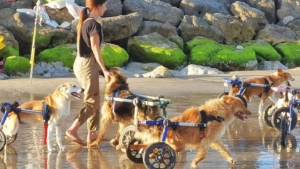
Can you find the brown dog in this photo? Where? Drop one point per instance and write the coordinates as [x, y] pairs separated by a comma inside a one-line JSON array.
[[121, 112], [264, 92], [227, 108]]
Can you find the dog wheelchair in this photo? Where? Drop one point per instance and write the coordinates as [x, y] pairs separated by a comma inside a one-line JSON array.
[[235, 81], [140, 100], [283, 119], [7, 108], [160, 154]]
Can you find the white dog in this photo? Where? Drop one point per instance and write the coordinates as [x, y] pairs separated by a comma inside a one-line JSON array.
[[56, 106]]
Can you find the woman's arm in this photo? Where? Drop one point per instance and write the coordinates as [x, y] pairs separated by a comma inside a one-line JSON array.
[[95, 46]]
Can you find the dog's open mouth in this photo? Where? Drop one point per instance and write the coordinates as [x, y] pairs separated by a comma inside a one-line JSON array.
[[241, 115], [76, 95]]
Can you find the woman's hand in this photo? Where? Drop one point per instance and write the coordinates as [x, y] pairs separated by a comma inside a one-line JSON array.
[[107, 76]]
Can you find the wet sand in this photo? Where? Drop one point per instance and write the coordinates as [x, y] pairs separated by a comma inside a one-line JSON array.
[[252, 144]]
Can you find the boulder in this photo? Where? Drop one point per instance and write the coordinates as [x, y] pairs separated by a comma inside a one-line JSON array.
[[53, 69], [59, 15], [174, 3], [165, 29], [192, 26], [288, 8], [290, 52], [16, 4], [200, 8], [153, 10], [197, 70], [120, 27], [295, 26], [65, 53], [263, 50], [140, 68], [242, 10], [275, 34], [21, 25], [270, 65], [114, 8], [156, 48], [159, 72], [178, 40], [235, 30], [223, 57], [11, 44], [14, 65], [113, 55], [266, 6]]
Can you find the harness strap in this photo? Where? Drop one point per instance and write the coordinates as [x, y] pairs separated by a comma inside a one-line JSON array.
[[207, 118], [46, 112], [113, 106], [268, 86]]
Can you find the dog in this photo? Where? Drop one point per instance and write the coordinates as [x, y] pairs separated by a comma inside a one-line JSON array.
[[274, 80], [121, 112], [57, 107], [284, 101], [221, 112]]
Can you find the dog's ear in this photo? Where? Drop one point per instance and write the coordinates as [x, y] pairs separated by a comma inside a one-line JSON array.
[[279, 71], [61, 88]]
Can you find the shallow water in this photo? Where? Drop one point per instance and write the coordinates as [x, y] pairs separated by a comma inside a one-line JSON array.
[[252, 144]]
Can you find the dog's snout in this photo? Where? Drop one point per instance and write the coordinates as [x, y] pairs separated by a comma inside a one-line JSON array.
[[292, 79]]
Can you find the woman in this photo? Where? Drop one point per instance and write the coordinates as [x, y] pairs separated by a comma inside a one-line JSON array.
[[86, 68]]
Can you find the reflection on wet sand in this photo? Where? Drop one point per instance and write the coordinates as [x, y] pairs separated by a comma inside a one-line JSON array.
[[251, 143]]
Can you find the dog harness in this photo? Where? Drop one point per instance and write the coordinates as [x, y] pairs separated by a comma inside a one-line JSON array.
[[113, 107], [268, 86], [207, 118], [46, 112]]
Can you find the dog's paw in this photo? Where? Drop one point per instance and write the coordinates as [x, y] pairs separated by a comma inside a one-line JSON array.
[[193, 166], [230, 160], [114, 142]]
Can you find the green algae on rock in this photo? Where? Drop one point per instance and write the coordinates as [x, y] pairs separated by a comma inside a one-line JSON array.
[[113, 55], [16, 64], [290, 52], [65, 53], [156, 48]]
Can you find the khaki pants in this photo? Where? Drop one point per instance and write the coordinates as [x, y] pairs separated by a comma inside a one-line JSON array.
[[86, 70]]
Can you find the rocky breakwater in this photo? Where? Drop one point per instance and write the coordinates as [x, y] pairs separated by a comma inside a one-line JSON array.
[[174, 34]]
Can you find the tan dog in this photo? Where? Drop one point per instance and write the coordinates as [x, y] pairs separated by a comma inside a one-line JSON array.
[[274, 80], [58, 106], [179, 138], [121, 112]]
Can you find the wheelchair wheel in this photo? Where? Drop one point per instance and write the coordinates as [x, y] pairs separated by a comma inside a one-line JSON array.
[[11, 139], [159, 155], [126, 136], [2, 140], [134, 155], [243, 100], [223, 94], [278, 116], [284, 127], [267, 115]]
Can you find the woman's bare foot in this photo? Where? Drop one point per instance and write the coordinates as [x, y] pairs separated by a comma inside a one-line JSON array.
[[73, 137]]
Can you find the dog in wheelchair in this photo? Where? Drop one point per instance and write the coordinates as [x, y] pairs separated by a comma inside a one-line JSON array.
[[121, 112]]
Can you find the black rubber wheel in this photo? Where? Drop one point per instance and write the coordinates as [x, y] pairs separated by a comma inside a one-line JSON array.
[[134, 155], [159, 155], [11, 139], [279, 114], [243, 100], [2, 140], [223, 94], [267, 115], [284, 127], [127, 135]]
